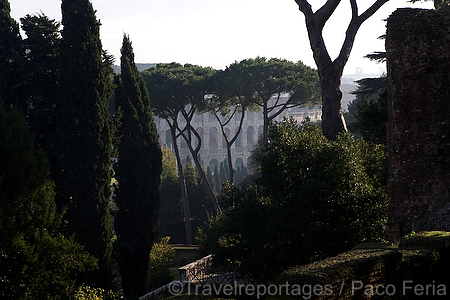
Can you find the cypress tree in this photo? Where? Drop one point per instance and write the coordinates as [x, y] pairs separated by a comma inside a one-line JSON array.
[[210, 177], [85, 134], [223, 174], [226, 169], [11, 58], [42, 76], [217, 182], [138, 174], [171, 218]]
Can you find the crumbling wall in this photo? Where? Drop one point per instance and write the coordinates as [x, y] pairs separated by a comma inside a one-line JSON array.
[[418, 133]]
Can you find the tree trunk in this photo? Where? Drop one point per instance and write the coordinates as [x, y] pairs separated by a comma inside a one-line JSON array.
[[200, 170], [330, 72], [230, 163], [194, 152], [265, 140], [332, 119], [205, 181], [184, 195]]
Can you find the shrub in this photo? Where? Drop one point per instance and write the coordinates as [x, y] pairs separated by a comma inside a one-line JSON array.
[[89, 293], [160, 255], [314, 198]]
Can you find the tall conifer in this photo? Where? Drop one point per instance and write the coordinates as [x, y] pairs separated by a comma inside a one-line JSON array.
[[138, 174], [41, 67], [11, 56], [85, 131]]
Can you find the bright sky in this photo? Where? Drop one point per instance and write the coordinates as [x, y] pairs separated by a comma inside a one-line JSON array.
[[217, 33]]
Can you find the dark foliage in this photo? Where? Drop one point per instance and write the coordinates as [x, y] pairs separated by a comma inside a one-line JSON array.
[[36, 260], [314, 198], [41, 69], [369, 110], [138, 174], [11, 59], [85, 135]]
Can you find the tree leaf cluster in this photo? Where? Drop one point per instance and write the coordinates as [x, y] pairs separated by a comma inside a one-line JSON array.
[[437, 3], [326, 197]]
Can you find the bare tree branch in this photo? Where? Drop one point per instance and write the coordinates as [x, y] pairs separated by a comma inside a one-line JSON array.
[[330, 71], [324, 13], [371, 10], [305, 8], [353, 28], [354, 6]]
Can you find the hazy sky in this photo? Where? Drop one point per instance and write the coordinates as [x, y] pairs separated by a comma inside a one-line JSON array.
[[218, 32]]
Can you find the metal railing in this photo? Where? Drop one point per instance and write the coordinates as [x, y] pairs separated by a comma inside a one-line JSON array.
[[200, 272]]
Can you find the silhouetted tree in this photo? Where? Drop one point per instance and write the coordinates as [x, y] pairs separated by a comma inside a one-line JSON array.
[[138, 173], [11, 59], [85, 134], [41, 68], [330, 71]]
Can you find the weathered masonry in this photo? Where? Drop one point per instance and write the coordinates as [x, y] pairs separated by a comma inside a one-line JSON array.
[[418, 63]]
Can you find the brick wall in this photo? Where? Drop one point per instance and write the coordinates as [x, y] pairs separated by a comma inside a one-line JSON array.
[[418, 56]]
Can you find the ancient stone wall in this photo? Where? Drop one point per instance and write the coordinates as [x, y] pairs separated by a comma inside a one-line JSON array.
[[418, 57]]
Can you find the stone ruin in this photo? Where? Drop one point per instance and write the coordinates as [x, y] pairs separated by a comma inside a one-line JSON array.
[[418, 129]]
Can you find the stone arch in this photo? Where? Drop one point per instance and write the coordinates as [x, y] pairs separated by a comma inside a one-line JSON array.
[[213, 145], [168, 137], [212, 164], [250, 136], [183, 144], [239, 163], [238, 142]]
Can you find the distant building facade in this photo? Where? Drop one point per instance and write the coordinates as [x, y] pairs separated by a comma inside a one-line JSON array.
[[214, 149]]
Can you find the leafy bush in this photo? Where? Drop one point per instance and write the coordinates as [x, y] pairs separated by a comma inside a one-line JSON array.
[[160, 255], [89, 293], [314, 198], [36, 260]]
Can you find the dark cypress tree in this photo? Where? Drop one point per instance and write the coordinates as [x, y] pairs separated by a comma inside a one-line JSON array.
[[85, 134], [11, 58], [226, 169], [138, 174], [217, 182], [42, 76], [223, 174], [210, 177]]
